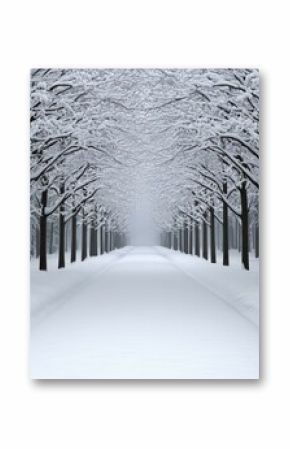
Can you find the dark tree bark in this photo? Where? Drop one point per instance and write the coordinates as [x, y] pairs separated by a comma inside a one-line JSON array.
[[245, 225], [61, 230], [212, 236], [181, 240], [257, 249], [107, 241], [196, 239], [218, 236], [84, 252], [204, 238], [42, 233], [91, 232], [174, 240], [185, 239], [225, 227], [93, 241], [96, 242], [190, 231], [111, 240], [102, 239], [67, 240], [73, 246]]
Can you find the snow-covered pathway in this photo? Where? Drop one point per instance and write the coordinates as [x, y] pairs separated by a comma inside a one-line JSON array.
[[142, 317]]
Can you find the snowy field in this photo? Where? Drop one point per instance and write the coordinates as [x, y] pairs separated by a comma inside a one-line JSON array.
[[145, 313]]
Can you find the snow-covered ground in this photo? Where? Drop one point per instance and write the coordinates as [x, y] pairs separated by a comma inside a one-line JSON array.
[[144, 313], [239, 288]]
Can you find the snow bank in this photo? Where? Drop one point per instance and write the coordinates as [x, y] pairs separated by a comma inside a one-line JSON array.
[[50, 289], [238, 287]]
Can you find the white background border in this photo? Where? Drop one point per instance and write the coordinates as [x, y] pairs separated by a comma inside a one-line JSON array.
[[131, 415]]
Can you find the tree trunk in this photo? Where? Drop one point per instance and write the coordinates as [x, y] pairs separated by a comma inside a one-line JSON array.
[[93, 241], [181, 240], [84, 254], [257, 249], [42, 233], [73, 246], [185, 239], [212, 236], [190, 231], [107, 240], [218, 235], [225, 228], [175, 241], [96, 242], [102, 237], [111, 240], [67, 239], [196, 240], [91, 232], [204, 239], [61, 229], [245, 225]]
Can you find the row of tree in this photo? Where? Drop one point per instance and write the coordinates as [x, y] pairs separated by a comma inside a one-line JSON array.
[[205, 239], [218, 149], [180, 144], [82, 239], [68, 154]]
